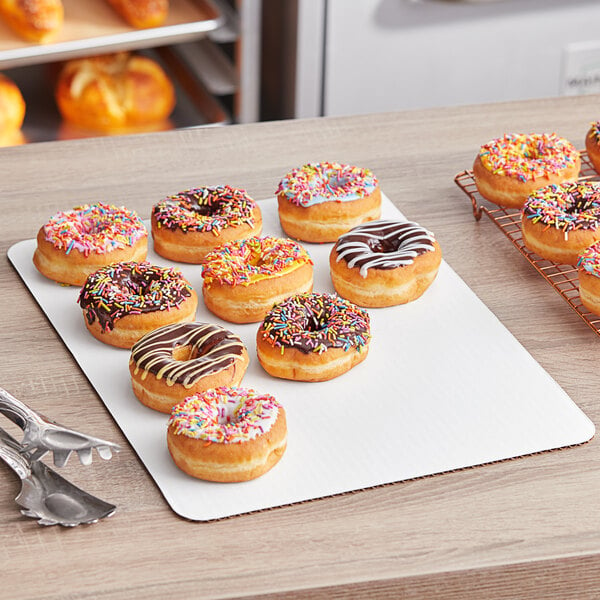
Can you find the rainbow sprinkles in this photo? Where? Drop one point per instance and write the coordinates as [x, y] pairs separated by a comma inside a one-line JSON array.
[[528, 157]]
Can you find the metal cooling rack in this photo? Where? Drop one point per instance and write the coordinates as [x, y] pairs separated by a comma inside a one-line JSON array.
[[563, 278]]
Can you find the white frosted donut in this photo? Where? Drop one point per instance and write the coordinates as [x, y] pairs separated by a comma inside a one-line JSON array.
[[227, 434]]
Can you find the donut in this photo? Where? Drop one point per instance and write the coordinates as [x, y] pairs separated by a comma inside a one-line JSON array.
[[588, 268], [319, 201], [75, 243], [187, 226], [559, 221], [313, 337], [124, 301], [244, 279], [592, 145], [175, 361], [383, 263], [508, 169], [227, 434]]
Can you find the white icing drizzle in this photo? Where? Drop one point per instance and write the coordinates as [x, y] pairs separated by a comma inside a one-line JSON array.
[[406, 241]]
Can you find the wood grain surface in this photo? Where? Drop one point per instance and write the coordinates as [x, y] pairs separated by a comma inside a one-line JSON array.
[[524, 528]]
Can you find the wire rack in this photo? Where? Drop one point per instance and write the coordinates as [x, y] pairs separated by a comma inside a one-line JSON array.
[[563, 278]]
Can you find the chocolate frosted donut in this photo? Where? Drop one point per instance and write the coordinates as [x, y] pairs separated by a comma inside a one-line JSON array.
[[313, 337], [383, 263], [560, 221], [188, 225], [383, 245], [176, 361], [124, 301]]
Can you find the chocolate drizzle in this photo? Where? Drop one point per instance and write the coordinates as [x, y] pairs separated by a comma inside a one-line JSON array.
[[210, 348], [383, 245], [130, 288]]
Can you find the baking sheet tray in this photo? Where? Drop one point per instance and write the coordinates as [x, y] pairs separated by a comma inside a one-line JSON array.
[[92, 26], [445, 386]]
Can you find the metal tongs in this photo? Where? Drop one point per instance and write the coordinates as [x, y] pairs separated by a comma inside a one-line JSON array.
[[41, 435], [45, 495]]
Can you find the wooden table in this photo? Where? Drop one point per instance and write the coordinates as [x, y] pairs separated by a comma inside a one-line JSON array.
[[525, 528]]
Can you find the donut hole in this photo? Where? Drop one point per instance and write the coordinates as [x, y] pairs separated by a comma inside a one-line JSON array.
[[316, 323], [205, 209], [185, 353]]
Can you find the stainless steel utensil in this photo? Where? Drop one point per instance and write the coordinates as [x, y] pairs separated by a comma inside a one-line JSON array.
[[45, 495], [43, 435]]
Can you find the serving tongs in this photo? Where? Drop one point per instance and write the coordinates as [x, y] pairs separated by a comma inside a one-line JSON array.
[[41, 435], [45, 495]]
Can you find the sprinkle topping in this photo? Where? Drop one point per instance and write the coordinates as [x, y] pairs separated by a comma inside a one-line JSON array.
[[243, 262], [383, 245], [205, 209], [595, 130], [589, 260], [315, 183], [316, 322], [225, 415], [130, 288], [566, 206], [528, 157], [94, 228]]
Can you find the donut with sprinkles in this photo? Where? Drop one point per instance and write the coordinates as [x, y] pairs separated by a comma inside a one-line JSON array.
[[588, 267], [123, 301], [384, 263], [175, 361], [75, 243], [244, 279], [188, 225], [319, 201], [313, 337], [592, 145], [559, 221], [510, 168], [227, 434]]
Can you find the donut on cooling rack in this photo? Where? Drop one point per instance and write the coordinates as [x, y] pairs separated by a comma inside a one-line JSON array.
[[588, 268], [123, 301], [244, 279], [227, 434], [319, 201], [592, 145], [75, 243], [175, 361], [187, 226], [383, 263], [559, 221], [313, 337], [509, 168]]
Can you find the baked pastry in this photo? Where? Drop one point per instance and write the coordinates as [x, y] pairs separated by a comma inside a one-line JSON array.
[[124, 301], [12, 113], [559, 221], [75, 243], [588, 267], [37, 21], [115, 93], [175, 361], [508, 169], [227, 434], [244, 279], [592, 145], [187, 226], [142, 14], [383, 263], [319, 201], [313, 337]]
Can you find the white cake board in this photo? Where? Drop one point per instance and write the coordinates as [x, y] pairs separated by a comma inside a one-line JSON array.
[[445, 386]]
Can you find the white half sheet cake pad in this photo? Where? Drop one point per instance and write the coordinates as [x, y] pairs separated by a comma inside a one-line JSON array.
[[445, 386]]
